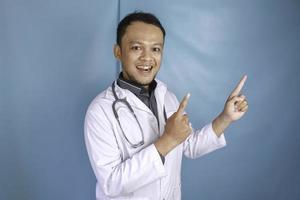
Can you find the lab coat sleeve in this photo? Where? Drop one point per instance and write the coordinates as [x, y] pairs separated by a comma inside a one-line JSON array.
[[202, 141], [116, 176]]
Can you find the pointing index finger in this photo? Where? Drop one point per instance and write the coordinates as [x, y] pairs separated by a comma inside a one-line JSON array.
[[239, 87], [183, 104]]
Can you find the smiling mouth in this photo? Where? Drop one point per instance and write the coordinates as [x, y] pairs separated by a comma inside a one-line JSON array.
[[144, 68]]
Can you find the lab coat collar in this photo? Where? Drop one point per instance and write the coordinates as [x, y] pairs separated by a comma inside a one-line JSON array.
[[134, 101], [136, 88]]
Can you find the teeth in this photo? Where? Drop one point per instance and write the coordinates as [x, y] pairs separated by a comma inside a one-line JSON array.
[[144, 67]]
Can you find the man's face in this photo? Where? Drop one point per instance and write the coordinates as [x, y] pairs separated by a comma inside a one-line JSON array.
[[140, 52]]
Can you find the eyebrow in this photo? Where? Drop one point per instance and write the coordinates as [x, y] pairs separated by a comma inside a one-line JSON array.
[[138, 42]]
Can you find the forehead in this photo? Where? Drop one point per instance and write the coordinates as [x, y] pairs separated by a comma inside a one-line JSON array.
[[142, 32]]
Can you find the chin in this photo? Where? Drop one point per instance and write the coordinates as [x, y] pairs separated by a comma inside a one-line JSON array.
[[145, 82]]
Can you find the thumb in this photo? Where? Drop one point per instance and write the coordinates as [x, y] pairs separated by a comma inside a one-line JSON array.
[[183, 104]]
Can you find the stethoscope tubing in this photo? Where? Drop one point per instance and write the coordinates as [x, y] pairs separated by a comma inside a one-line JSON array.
[[125, 102]]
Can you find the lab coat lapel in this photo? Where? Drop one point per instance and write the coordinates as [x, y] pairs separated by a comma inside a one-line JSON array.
[[136, 103], [160, 93], [133, 100]]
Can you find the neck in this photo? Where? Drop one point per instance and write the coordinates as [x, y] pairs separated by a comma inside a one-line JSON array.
[[146, 87]]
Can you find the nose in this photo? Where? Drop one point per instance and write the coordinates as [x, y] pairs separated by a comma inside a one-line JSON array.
[[146, 55]]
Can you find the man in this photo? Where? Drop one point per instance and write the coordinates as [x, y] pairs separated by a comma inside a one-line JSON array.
[[136, 131]]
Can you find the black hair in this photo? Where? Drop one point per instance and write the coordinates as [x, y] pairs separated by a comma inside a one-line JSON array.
[[137, 16]]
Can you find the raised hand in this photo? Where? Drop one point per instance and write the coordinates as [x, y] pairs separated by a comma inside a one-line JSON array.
[[236, 105], [177, 129], [178, 126]]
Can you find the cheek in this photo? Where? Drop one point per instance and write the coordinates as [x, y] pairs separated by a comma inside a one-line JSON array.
[[158, 58], [127, 59], [131, 57]]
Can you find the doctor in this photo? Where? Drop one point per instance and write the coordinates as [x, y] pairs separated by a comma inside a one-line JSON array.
[[136, 131]]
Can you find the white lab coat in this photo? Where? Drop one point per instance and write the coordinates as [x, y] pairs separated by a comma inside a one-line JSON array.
[[124, 172]]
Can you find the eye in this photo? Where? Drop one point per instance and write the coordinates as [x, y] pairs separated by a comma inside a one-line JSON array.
[[136, 48], [156, 49]]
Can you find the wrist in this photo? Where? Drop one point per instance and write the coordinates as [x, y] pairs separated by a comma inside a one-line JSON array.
[[165, 144], [220, 124], [223, 118]]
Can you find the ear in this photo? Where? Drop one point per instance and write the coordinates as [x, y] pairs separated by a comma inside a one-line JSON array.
[[117, 51]]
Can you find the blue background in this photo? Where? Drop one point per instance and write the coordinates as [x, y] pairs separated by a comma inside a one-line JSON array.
[[56, 56]]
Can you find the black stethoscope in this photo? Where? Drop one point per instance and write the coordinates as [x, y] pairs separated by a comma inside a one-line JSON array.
[[125, 102]]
